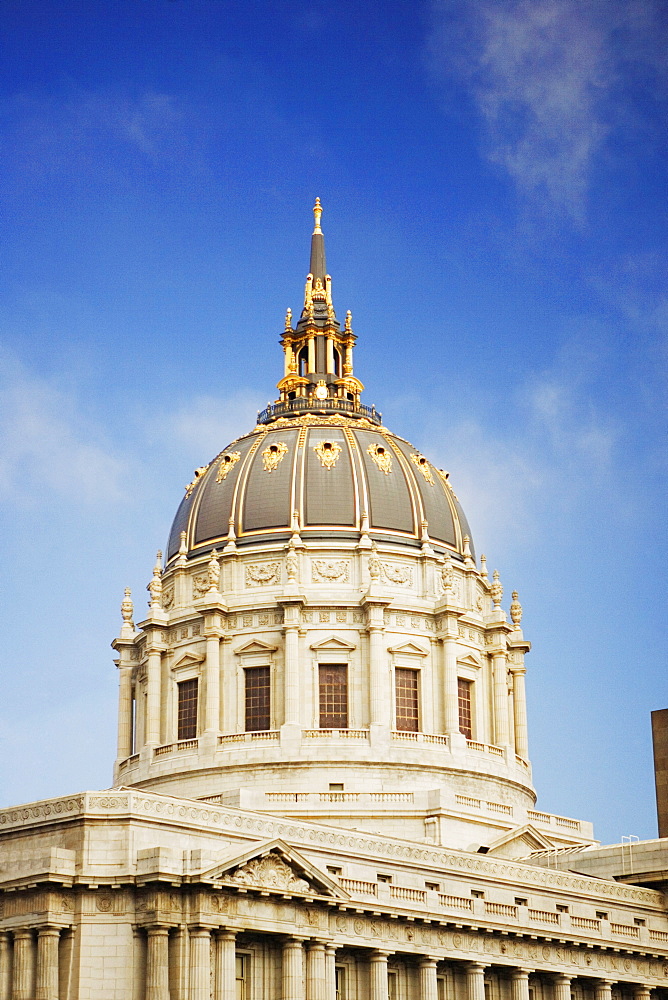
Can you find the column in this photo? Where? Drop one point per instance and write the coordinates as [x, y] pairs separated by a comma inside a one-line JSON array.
[[428, 984], [330, 972], [226, 969], [603, 989], [47, 963], [5, 966], [316, 983], [311, 355], [22, 965], [378, 975], [212, 676], [200, 963], [641, 993], [450, 684], [475, 981], [152, 725], [157, 964], [521, 729], [138, 963], [293, 970], [124, 711], [291, 693], [330, 356], [228, 707], [378, 680], [500, 700], [562, 988], [520, 984]]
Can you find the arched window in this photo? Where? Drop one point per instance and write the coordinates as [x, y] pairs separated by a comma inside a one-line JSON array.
[[302, 359]]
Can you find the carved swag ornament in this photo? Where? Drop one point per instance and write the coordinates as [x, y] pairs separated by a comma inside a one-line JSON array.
[[271, 872]]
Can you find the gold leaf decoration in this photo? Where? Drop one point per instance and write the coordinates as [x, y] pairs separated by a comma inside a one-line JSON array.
[[382, 457], [328, 453], [226, 464], [273, 455]]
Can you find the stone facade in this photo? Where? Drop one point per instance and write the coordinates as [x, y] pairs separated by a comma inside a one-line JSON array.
[[322, 788]]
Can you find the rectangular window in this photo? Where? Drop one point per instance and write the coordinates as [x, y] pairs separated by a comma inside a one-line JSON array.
[[406, 684], [465, 716], [340, 973], [186, 727], [333, 696], [258, 699], [392, 986], [242, 977]]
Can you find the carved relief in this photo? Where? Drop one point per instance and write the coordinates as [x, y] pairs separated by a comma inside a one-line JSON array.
[[200, 585], [262, 574], [227, 463], [167, 598], [273, 455], [401, 576], [330, 571], [328, 453], [423, 465], [271, 872], [382, 457]]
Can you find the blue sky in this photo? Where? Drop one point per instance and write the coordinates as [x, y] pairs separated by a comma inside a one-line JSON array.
[[493, 176]]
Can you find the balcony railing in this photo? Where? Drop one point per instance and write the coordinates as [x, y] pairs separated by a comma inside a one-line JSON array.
[[294, 406]]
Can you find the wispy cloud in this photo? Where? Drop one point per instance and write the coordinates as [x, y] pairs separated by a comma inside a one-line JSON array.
[[48, 447], [546, 77], [83, 129]]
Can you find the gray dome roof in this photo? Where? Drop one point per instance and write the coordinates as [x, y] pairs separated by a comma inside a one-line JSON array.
[[324, 473]]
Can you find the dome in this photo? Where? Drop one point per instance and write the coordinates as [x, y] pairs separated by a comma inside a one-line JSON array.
[[319, 462], [321, 626], [327, 476]]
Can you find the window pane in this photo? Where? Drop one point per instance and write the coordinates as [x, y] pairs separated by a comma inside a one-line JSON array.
[[258, 699], [465, 717], [186, 728], [333, 696], [406, 684]]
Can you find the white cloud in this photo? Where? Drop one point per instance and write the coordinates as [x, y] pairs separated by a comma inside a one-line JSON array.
[[209, 423], [546, 77], [48, 446]]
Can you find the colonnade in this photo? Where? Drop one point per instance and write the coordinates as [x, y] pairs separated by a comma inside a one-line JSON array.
[[509, 714], [308, 972], [29, 963]]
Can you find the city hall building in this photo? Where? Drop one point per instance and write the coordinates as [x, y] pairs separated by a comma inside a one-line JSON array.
[[323, 786]]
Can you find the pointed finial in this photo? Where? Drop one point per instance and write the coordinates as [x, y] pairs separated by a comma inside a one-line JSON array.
[[292, 562], [496, 590], [468, 558], [374, 563], [483, 567], [447, 575], [231, 536], [127, 608], [155, 586], [213, 572], [183, 550], [516, 610], [288, 319], [317, 212], [349, 321]]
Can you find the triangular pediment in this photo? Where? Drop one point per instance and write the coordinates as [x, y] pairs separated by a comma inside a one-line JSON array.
[[468, 661], [256, 646], [519, 842], [333, 642], [187, 660], [277, 867], [410, 649]]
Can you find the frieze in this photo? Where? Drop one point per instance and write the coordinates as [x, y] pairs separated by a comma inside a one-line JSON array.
[[200, 585], [168, 598], [400, 576], [330, 571], [262, 574]]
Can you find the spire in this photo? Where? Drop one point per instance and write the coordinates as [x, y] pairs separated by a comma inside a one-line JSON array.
[[318, 267], [318, 353]]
